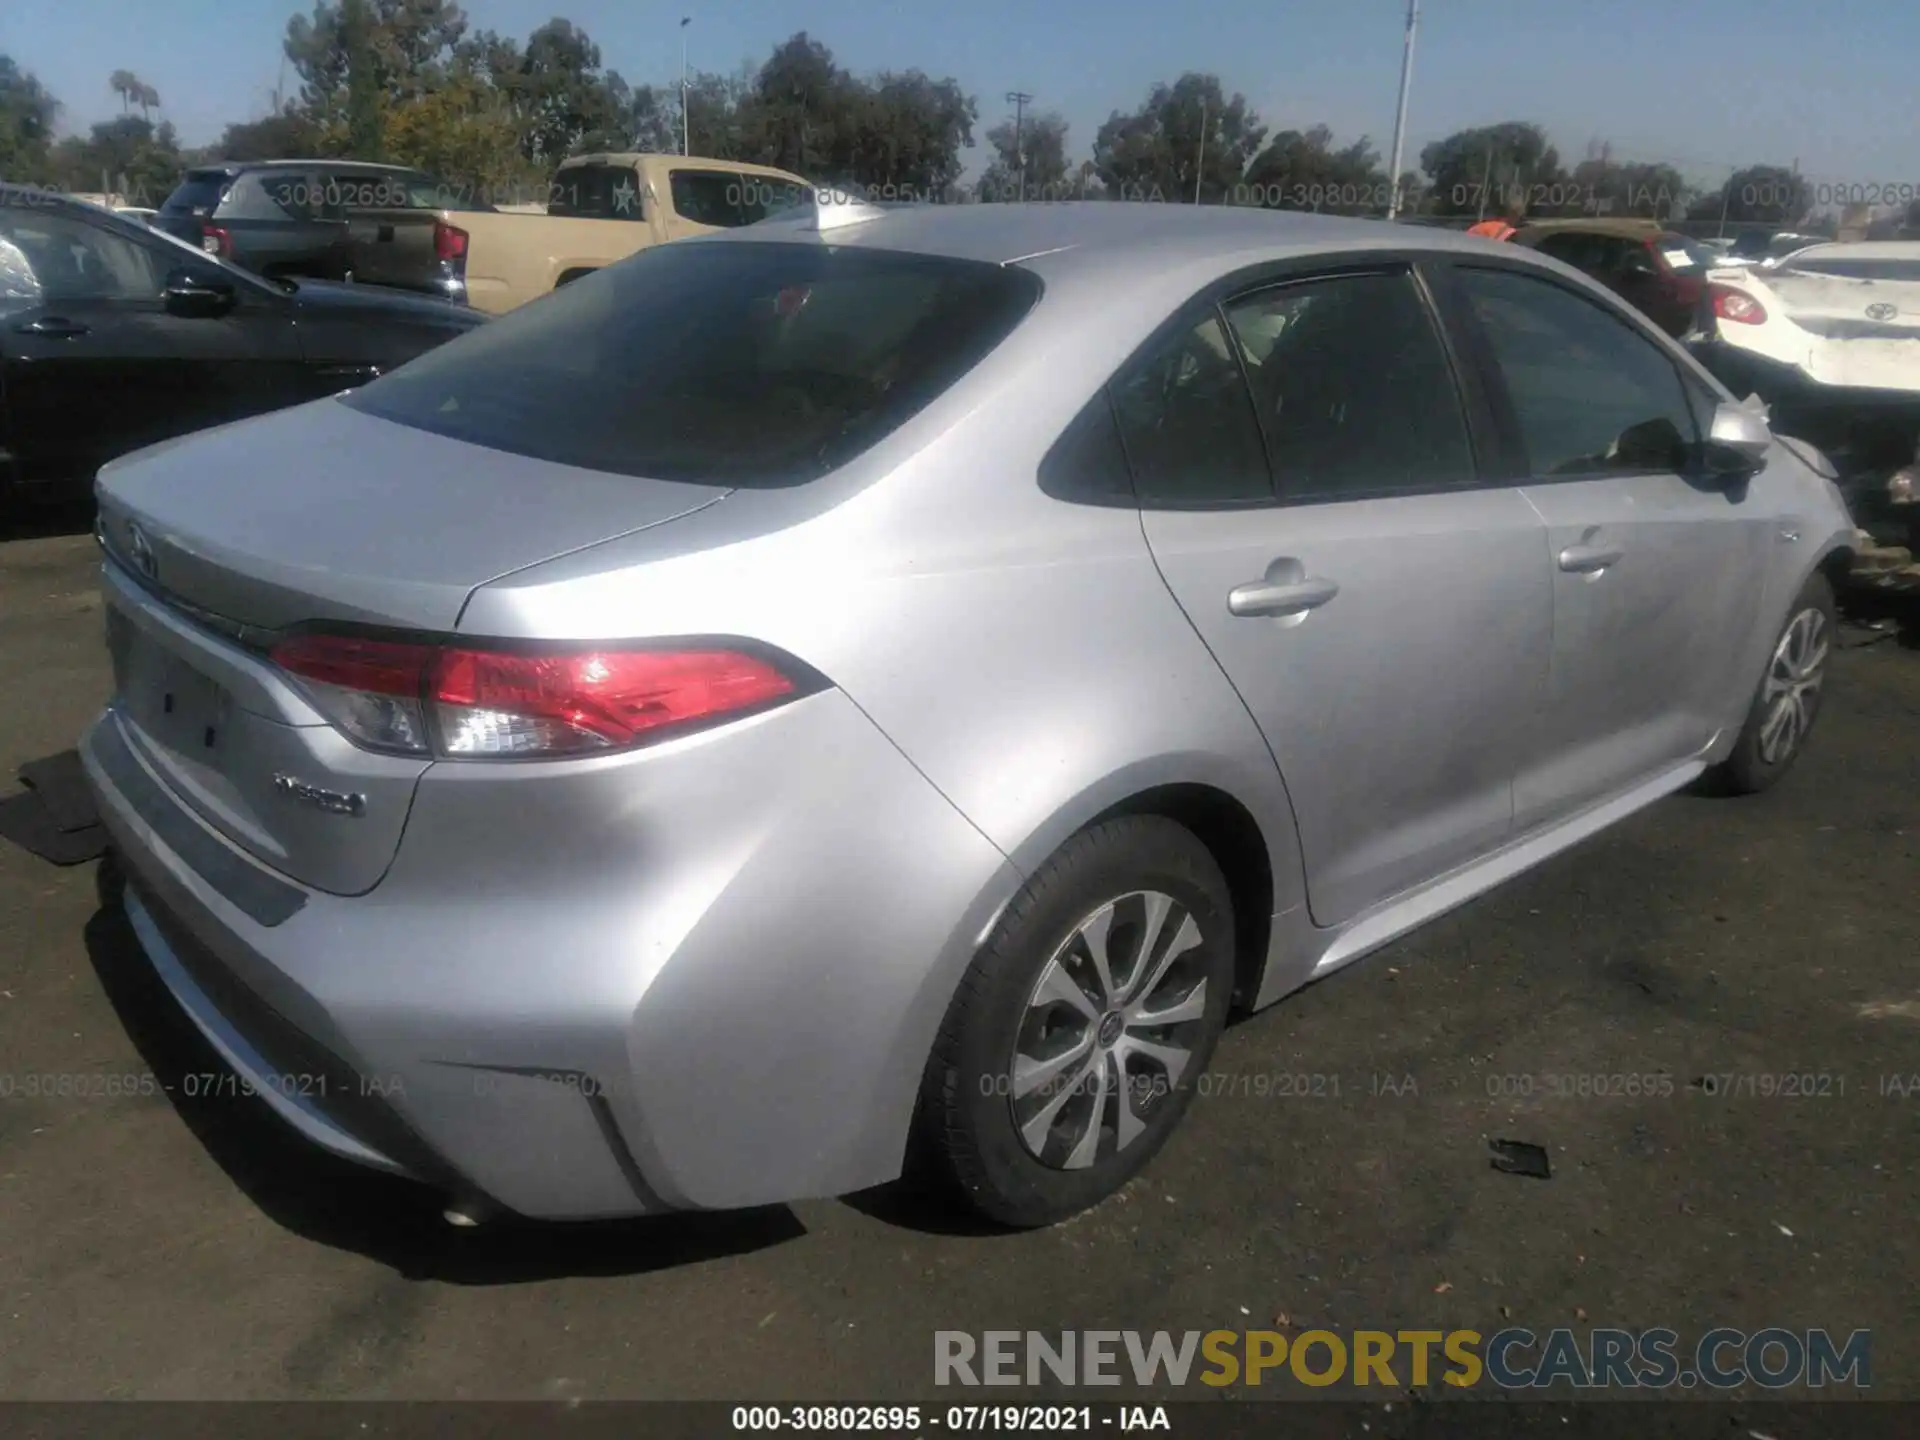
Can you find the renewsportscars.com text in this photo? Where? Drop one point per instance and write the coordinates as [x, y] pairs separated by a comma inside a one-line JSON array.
[[1511, 1359]]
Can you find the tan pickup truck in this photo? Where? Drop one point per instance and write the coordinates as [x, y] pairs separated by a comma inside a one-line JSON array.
[[603, 208]]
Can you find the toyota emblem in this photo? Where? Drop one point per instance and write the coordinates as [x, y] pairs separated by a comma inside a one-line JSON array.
[[1881, 311], [141, 549]]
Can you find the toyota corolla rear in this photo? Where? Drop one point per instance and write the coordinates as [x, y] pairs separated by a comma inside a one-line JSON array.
[[556, 920]]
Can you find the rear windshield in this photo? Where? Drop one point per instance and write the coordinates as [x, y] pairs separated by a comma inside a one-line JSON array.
[[199, 194], [596, 192], [1684, 254], [1876, 269], [729, 364]]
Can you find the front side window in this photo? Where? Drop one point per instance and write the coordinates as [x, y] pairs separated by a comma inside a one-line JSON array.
[[1590, 394], [1187, 422], [62, 258], [722, 364], [1353, 388]]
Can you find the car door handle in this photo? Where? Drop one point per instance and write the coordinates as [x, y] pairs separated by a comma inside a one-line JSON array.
[[1265, 597], [1589, 559], [52, 326]]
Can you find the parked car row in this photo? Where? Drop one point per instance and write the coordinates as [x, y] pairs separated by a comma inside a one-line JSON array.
[[388, 225], [115, 335]]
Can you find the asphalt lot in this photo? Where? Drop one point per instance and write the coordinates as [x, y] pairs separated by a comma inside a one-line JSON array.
[[158, 1246]]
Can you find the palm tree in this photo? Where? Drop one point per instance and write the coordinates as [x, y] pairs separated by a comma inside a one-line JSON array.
[[126, 85]]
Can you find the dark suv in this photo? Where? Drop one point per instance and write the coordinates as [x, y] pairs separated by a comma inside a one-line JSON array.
[[325, 219]]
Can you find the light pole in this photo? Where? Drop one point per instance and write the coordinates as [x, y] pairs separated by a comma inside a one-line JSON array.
[[1400, 119], [686, 130], [1019, 99]]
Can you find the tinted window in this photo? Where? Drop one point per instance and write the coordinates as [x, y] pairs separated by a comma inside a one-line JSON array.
[[199, 194], [1573, 249], [1187, 421], [357, 190], [598, 192], [1353, 388], [272, 195], [1087, 463], [721, 364], [1685, 255], [1591, 394], [63, 258], [724, 198]]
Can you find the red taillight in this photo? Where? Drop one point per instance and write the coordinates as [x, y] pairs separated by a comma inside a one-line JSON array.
[[1737, 306], [216, 240], [449, 241], [424, 699]]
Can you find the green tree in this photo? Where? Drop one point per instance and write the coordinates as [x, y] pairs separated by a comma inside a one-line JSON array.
[[1760, 194], [272, 137], [27, 113], [129, 156], [1188, 139], [365, 90], [1039, 149], [1302, 170], [1500, 169]]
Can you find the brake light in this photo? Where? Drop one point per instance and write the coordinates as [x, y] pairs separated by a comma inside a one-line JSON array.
[[424, 699], [1737, 306], [449, 241], [216, 241]]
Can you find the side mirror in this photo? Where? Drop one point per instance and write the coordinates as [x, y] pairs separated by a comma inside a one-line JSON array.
[[1738, 441], [198, 294]]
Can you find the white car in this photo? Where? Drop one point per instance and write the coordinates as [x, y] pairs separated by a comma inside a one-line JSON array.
[[1828, 318]]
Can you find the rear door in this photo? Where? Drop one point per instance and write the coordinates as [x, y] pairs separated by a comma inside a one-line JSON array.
[[1657, 575], [1383, 609], [95, 365]]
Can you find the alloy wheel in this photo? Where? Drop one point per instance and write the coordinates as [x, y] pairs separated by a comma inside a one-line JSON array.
[[1792, 689], [1108, 1031]]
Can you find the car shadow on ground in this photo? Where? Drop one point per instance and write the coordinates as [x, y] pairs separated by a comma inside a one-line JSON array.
[[393, 1221]]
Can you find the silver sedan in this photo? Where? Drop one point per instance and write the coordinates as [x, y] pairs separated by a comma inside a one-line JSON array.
[[890, 682]]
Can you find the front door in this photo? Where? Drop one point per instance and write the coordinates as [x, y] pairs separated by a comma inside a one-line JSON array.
[[1384, 616], [1657, 573], [96, 366]]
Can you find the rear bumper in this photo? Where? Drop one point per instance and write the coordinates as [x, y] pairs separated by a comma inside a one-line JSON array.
[[526, 1011]]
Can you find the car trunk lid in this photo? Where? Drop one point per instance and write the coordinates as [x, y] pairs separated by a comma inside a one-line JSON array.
[[327, 513], [221, 541]]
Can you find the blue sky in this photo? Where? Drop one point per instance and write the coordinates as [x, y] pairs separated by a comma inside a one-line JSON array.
[[1711, 82]]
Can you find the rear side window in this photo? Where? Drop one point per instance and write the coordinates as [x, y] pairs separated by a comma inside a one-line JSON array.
[[1591, 395], [1186, 419], [199, 194], [1353, 388], [1087, 464], [271, 195], [715, 364], [596, 192], [725, 198]]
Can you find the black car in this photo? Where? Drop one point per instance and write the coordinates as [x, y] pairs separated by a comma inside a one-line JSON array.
[[113, 336], [326, 220]]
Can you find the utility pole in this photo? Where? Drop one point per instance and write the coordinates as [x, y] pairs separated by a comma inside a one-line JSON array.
[[1019, 99], [1200, 155], [1400, 119], [1486, 180], [686, 127]]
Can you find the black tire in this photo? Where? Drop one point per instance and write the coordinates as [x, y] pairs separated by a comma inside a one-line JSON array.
[[1750, 769], [967, 1125]]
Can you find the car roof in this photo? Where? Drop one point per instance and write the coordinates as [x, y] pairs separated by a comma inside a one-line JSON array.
[[1135, 233], [1596, 226], [234, 167], [1863, 249]]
